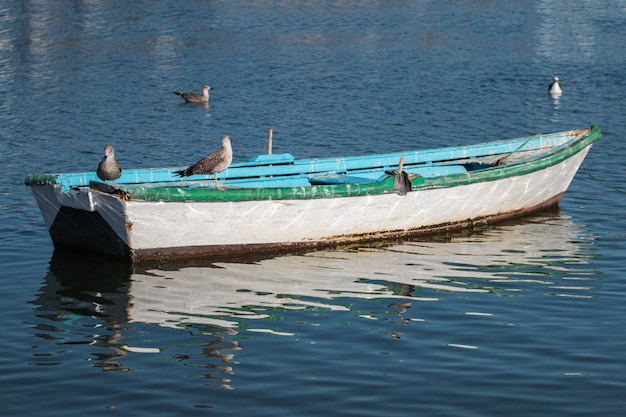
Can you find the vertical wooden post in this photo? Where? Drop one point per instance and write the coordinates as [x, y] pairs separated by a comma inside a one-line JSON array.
[[400, 165], [269, 141]]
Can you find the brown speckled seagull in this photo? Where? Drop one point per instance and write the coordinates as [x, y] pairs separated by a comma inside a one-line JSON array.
[[196, 97], [213, 163], [109, 168]]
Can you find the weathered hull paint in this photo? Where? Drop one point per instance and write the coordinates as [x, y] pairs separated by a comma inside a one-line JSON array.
[[198, 222], [332, 241]]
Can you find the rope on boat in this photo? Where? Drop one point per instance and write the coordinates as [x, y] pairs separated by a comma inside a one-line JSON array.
[[502, 160]]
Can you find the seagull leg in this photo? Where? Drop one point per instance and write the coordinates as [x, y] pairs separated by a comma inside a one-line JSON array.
[[217, 185]]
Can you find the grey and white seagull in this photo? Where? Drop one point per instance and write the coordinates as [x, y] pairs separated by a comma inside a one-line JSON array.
[[196, 97], [213, 163], [109, 169]]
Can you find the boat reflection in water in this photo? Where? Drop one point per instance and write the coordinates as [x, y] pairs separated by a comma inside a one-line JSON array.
[[229, 296]]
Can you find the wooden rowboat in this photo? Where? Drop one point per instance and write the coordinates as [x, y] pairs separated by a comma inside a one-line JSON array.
[[276, 202]]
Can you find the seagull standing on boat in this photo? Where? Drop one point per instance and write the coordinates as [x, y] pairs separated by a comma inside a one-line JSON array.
[[196, 97], [213, 163], [555, 87], [109, 168]]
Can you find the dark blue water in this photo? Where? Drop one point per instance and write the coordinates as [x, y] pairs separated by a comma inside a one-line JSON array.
[[524, 318]]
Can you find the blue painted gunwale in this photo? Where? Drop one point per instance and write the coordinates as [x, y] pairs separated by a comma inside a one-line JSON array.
[[282, 172]]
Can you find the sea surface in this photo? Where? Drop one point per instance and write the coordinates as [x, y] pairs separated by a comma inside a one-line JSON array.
[[524, 318]]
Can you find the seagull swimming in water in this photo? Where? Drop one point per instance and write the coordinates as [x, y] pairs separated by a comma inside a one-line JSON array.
[[213, 163], [196, 97], [555, 87], [109, 168]]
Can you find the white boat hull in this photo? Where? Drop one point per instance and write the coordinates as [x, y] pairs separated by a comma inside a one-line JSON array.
[[148, 230]]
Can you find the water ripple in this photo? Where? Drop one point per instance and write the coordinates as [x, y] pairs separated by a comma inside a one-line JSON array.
[[525, 318]]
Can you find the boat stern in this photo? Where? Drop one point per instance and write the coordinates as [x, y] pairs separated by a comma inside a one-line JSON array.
[[80, 218]]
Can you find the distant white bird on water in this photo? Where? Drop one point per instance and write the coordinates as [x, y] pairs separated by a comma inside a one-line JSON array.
[[109, 168], [213, 163], [196, 97], [555, 87]]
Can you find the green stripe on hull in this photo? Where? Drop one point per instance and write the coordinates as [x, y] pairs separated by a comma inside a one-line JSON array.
[[175, 194]]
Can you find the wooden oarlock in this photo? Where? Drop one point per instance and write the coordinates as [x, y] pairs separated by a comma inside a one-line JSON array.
[[400, 165], [269, 141]]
